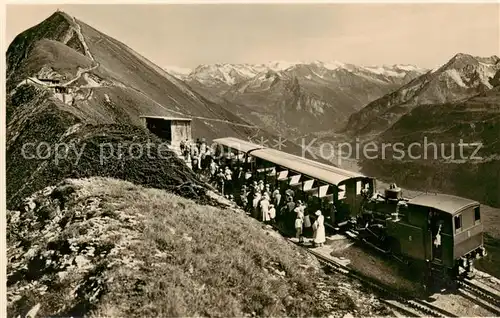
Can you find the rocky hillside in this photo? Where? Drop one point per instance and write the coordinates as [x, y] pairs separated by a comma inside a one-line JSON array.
[[95, 150], [107, 80], [107, 248], [460, 78], [297, 97]]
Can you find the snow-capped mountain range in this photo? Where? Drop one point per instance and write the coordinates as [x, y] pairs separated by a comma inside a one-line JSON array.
[[462, 77], [302, 96], [321, 95], [231, 74]]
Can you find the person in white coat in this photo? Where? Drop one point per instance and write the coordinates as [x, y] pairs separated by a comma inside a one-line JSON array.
[[272, 212], [264, 208], [261, 185], [319, 229]]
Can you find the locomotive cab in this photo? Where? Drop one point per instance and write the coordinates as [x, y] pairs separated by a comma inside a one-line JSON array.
[[454, 233], [468, 237]]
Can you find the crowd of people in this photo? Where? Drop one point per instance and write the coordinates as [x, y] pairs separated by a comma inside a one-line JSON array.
[[263, 199]]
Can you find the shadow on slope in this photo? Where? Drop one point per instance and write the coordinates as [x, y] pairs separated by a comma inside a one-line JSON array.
[[120, 151]]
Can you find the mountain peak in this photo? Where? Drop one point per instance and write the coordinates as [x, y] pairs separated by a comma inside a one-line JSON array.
[[59, 13], [461, 55], [493, 59]]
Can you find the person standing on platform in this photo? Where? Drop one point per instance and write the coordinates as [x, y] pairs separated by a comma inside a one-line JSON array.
[[187, 149], [183, 146], [272, 212], [248, 175], [195, 158], [228, 174], [267, 189], [203, 146], [276, 198], [288, 213], [255, 203], [240, 178], [213, 170], [261, 185], [244, 196], [299, 221], [319, 237], [307, 224], [221, 180]]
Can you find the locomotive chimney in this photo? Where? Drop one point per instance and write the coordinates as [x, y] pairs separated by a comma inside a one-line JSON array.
[[394, 192]]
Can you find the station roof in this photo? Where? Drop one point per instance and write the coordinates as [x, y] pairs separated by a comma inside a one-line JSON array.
[[167, 118], [311, 168], [237, 144], [443, 202]]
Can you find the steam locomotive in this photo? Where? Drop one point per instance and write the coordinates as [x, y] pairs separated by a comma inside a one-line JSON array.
[[441, 233]]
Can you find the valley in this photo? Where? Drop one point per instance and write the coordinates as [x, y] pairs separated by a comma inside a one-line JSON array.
[[296, 98], [147, 235]]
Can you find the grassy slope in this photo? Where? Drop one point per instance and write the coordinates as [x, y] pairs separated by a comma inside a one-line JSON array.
[[120, 250]]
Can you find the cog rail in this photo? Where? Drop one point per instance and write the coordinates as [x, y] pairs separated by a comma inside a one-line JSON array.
[[481, 293], [397, 300], [425, 308]]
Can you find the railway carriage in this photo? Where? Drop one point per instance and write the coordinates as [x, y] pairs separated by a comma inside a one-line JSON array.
[[340, 191], [443, 233]]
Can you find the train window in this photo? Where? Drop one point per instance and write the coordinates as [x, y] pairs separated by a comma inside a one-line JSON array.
[[458, 223], [477, 214], [359, 187], [341, 192]]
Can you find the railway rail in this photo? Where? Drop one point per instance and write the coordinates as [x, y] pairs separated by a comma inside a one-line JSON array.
[[405, 304], [476, 294], [483, 297]]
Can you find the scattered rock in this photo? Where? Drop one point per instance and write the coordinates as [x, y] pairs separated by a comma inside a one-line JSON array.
[[33, 311], [187, 237]]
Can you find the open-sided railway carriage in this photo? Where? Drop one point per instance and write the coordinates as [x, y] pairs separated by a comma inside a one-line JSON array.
[[443, 233]]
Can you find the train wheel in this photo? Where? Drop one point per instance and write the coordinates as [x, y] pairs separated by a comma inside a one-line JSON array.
[[430, 278]]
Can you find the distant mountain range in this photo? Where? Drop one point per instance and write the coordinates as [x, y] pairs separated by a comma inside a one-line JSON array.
[[387, 104], [298, 97], [463, 76], [474, 121], [458, 102], [214, 75]]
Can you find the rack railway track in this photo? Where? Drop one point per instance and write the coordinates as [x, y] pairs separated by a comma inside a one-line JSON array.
[[474, 293], [481, 296], [405, 304]]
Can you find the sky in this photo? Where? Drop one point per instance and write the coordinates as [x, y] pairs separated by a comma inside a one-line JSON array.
[[426, 35]]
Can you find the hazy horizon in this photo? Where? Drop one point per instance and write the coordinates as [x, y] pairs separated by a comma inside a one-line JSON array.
[[426, 35]]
